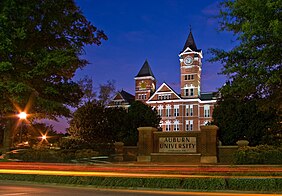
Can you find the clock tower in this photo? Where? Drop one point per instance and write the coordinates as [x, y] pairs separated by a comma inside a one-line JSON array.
[[190, 68], [145, 83]]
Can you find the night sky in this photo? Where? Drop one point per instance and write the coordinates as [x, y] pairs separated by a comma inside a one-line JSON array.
[[155, 30]]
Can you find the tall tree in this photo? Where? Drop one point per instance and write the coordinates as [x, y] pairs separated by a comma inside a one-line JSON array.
[[254, 65], [40, 50]]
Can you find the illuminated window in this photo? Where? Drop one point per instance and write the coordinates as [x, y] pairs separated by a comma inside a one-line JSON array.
[[160, 109], [206, 110], [168, 108], [176, 125], [167, 125]]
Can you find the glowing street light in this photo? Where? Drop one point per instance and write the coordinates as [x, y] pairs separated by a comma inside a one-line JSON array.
[[22, 116], [44, 137]]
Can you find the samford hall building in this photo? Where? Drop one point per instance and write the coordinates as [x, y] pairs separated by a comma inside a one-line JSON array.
[[184, 111]]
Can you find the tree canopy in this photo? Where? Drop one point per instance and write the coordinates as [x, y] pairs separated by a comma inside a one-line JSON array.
[[95, 123], [40, 51], [140, 115], [250, 103], [254, 65], [243, 120]]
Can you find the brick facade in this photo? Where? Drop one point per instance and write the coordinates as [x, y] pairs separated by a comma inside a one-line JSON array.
[[189, 109]]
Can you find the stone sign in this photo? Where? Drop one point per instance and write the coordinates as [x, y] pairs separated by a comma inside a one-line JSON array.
[[177, 144]]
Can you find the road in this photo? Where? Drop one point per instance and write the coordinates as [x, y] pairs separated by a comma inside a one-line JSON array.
[[14, 189]]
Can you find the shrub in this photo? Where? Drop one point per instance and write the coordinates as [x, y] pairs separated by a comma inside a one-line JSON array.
[[41, 155], [204, 183], [71, 143], [253, 184], [85, 153], [262, 154]]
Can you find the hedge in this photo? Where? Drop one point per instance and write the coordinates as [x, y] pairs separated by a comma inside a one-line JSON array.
[[262, 154], [52, 156], [204, 184]]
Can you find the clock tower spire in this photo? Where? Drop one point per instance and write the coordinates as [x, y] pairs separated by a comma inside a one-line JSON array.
[[145, 83], [190, 68]]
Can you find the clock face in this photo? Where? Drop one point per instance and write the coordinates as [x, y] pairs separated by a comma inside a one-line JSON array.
[[142, 85], [188, 60]]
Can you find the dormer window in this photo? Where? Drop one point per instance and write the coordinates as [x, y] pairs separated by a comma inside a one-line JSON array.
[[164, 97]]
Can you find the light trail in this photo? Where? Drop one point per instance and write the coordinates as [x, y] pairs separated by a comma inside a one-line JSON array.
[[115, 174]]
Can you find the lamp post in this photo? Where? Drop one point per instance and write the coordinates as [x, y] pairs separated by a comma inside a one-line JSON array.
[[22, 116]]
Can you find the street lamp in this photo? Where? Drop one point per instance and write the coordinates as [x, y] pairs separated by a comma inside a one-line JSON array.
[[22, 116]]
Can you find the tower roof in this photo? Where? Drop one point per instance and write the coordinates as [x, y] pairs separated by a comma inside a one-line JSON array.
[[145, 70], [190, 42]]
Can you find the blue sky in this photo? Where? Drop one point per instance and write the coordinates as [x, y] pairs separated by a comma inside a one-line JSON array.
[[155, 30], [150, 29]]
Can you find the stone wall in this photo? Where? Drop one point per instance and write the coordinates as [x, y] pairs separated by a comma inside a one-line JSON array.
[[130, 153], [193, 147], [226, 153]]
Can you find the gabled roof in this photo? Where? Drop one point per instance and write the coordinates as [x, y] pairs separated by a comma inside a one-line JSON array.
[[190, 42], [127, 96], [164, 86], [145, 70]]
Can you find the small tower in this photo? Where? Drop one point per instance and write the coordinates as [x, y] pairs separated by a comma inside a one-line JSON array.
[[145, 83], [190, 68]]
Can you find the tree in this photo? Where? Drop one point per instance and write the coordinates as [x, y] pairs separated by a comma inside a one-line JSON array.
[[88, 123], [40, 50], [106, 92], [238, 120], [117, 122], [140, 115], [86, 86], [94, 123], [254, 65]]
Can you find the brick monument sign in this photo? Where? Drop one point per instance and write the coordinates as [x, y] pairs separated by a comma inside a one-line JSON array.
[[190, 147]]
